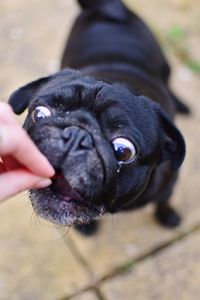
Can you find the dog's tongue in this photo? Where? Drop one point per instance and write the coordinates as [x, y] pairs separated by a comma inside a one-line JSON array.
[[62, 187]]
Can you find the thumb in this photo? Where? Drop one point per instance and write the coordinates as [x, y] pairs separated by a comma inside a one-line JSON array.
[[16, 181]]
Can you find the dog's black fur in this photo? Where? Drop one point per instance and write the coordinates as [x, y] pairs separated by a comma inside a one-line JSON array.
[[120, 90]]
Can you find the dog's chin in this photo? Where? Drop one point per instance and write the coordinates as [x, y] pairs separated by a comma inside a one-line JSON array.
[[63, 205]]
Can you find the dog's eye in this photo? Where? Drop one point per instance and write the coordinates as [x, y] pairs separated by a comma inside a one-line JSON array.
[[125, 151], [40, 112]]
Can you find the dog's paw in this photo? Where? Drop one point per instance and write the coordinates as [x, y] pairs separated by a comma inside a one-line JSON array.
[[88, 229], [167, 216]]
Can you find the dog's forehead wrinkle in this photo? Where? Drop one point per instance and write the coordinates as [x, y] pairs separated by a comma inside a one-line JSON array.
[[75, 94], [83, 90]]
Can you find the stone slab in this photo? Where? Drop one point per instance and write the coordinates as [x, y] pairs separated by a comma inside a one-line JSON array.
[[85, 296], [35, 262], [32, 34], [171, 274]]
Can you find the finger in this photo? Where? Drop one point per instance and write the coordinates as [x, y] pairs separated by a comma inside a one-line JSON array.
[[14, 182], [14, 141], [7, 115]]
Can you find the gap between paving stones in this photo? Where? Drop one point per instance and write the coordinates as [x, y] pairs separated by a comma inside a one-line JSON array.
[[75, 252], [93, 287], [119, 270], [95, 290]]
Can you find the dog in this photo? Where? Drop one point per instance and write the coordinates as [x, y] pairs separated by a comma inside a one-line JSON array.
[[105, 121]]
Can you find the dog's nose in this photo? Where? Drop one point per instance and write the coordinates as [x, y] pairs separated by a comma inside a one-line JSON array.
[[77, 138]]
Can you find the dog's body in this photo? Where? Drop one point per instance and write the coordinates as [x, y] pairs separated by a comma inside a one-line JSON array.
[[119, 97]]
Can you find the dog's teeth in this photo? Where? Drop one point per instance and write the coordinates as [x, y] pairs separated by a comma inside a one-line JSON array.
[[67, 198]]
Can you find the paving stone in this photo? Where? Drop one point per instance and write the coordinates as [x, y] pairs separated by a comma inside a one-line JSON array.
[[171, 274], [85, 296], [35, 262], [32, 35]]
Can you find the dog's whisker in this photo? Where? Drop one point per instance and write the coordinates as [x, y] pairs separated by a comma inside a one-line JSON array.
[[31, 220], [113, 223], [39, 221], [62, 236], [34, 221]]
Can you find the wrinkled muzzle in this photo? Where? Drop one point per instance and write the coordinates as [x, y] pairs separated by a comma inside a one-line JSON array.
[[78, 188]]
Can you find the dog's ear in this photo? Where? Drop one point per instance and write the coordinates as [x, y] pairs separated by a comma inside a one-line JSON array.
[[173, 144], [20, 99]]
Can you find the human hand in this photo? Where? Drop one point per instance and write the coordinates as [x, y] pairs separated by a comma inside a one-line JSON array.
[[22, 166]]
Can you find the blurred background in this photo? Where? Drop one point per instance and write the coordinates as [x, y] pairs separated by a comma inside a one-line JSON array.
[[132, 257]]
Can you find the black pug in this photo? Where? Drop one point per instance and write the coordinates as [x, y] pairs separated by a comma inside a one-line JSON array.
[[108, 128]]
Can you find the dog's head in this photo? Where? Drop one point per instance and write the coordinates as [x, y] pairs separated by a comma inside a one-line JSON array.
[[103, 140]]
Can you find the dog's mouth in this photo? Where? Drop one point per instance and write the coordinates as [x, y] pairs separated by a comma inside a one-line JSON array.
[[64, 205], [62, 187]]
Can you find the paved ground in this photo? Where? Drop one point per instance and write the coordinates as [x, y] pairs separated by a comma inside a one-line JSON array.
[[132, 257]]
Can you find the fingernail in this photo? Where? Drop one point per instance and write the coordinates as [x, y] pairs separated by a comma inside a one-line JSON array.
[[43, 183], [51, 169]]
